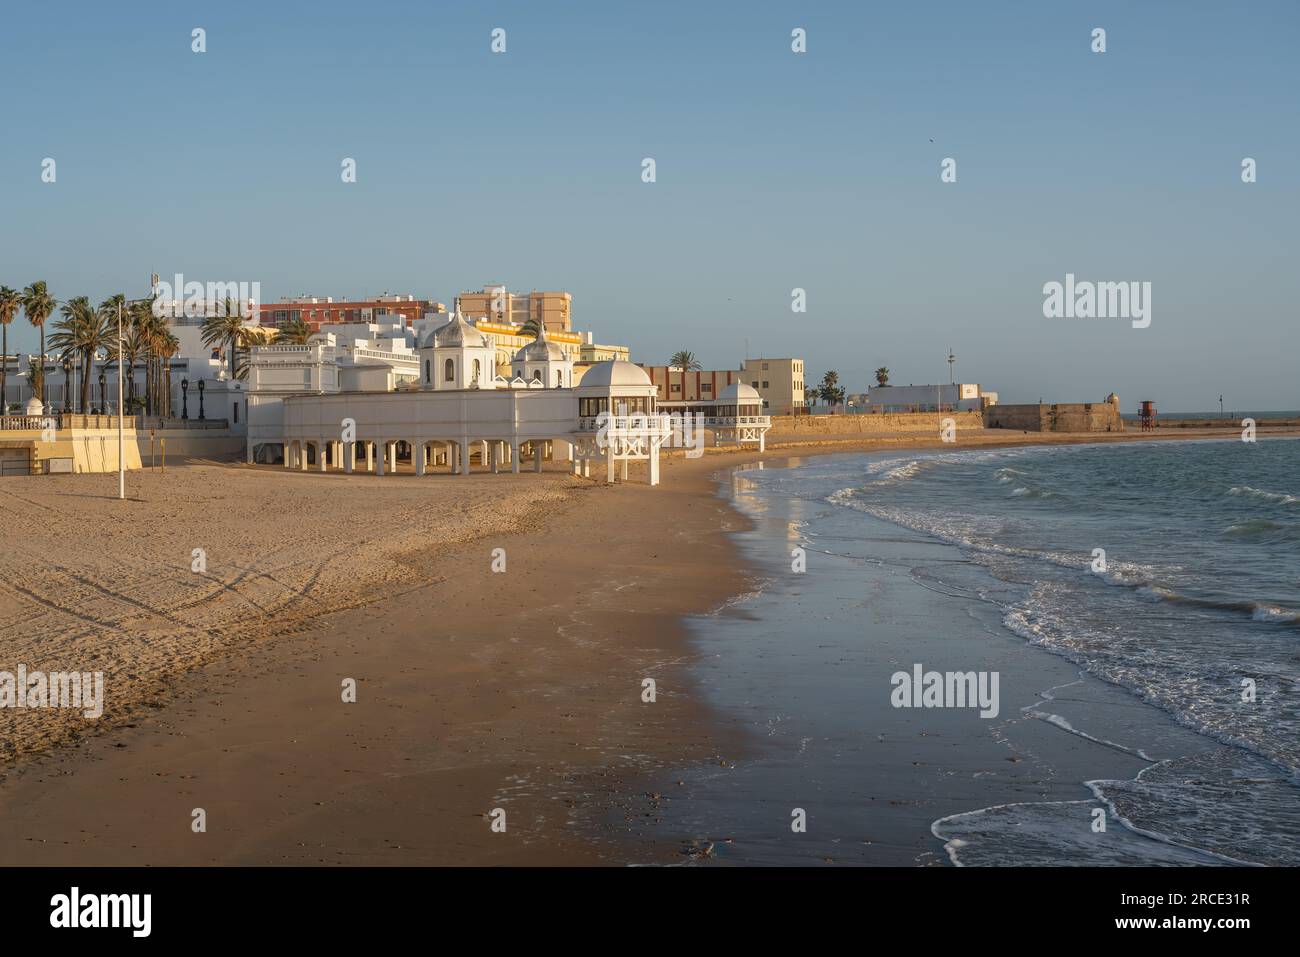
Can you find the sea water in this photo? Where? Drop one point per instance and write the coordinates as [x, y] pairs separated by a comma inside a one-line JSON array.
[[1166, 574]]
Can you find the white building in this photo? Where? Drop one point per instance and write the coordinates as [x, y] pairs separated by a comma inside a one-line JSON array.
[[961, 397], [300, 408]]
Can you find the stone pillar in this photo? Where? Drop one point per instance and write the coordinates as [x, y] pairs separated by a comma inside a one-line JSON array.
[[464, 457], [609, 463], [370, 456], [417, 456], [493, 449], [302, 453], [381, 457], [514, 458], [320, 455], [392, 457], [654, 463], [537, 456], [349, 457]]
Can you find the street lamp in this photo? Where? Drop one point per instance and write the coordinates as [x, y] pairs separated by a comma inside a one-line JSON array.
[[201, 416], [67, 373], [103, 399], [185, 395]]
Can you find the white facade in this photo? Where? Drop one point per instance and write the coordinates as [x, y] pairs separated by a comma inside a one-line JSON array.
[[961, 397]]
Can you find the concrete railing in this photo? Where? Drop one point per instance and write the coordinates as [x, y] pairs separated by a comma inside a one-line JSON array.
[[75, 420]]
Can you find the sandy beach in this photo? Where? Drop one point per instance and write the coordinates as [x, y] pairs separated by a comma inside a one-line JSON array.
[[476, 690]]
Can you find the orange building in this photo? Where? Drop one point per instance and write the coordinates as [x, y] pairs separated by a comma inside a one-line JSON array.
[[315, 310]]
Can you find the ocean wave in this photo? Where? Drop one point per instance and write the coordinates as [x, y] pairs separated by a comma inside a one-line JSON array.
[[1262, 530], [1283, 498]]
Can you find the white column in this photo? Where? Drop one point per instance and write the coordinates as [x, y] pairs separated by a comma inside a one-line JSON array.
[[320, 455], [392, 457], [349, 457], [493, 449], [370, 456], [654, 463], [464, 457], [302, 455], [609, 463], [381, 457], [514, 458], [537, 456]]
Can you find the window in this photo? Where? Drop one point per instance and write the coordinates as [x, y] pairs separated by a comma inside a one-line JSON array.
[[559, 378], [537, 373], [478, 368], [754, 383], [426, 371], [764, 366], [764, 383], [706, 386], [677, 387], [449, 371]]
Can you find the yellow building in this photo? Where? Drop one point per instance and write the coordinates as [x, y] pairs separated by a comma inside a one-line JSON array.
[[508, 339], [495, 302], [779, 381]]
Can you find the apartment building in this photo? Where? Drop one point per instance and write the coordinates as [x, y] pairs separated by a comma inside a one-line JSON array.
[[497, 303]]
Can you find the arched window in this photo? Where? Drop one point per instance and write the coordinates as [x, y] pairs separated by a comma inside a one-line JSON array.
[[478, 367], [537, 375], [449, 371], [559, 379]]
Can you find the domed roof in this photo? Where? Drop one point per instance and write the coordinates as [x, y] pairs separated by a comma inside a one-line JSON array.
[[455, 333], [614, 372], [738, 393], [541, 349]]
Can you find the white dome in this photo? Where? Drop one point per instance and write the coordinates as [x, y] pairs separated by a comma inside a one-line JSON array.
[[614, 372], [740, 394], [455, 333], [541, 349]]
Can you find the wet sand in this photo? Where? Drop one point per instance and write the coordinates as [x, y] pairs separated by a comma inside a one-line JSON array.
[[475, 690]]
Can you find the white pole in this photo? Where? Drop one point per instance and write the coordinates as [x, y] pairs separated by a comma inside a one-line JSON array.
[[121, 444]]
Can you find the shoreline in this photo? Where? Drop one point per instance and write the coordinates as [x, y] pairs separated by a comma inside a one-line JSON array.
[[536, 709]]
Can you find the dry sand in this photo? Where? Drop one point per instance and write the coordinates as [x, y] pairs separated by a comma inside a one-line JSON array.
[[476, 690]]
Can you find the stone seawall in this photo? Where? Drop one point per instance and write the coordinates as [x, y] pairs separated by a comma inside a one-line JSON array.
[[1057, 417], [795, 428]]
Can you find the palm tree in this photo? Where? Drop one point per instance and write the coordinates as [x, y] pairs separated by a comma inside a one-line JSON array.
[[685, 360], [812, 393], [532, 327], [132, 348], [225, 330], [10, 302], [882, 377], [294, 332], [83, 331], [166, 348], [828, 390], [38, 304]]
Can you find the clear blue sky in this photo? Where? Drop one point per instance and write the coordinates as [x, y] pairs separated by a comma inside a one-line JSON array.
[[775, 170]]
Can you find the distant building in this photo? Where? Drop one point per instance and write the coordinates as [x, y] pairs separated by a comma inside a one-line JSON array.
[[316, 311], [495, 302], [779, 383], [961, 397]]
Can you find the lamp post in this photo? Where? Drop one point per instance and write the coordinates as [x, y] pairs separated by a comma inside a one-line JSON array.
[[201, 416], [67, 374], [185, 395], [103, 398]]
